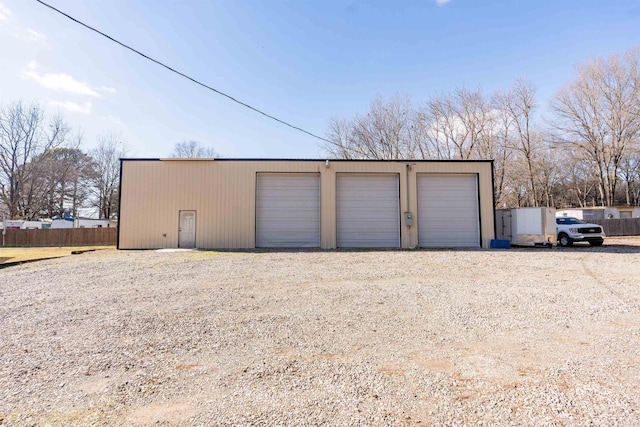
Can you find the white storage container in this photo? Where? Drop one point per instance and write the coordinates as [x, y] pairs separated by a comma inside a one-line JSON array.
[[527, 226]]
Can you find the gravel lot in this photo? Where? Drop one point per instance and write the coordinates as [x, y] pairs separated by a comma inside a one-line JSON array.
[[518, 337]]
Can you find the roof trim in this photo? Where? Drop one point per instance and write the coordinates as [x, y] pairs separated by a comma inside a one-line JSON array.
[[307, 160]]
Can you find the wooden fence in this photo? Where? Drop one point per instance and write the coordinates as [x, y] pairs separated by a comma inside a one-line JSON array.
[[61, 237], [619, 227]]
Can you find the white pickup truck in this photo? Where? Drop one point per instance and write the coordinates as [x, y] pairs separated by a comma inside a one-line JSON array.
[[570, 230]]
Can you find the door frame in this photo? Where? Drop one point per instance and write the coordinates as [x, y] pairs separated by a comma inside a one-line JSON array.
[[478, 201], [375, 175], [256, 196], [195, 222]]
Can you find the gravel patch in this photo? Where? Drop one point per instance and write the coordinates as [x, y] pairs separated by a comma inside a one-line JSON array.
[[515, 337]]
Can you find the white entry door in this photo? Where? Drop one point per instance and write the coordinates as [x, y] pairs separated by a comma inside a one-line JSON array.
[[187, 229]]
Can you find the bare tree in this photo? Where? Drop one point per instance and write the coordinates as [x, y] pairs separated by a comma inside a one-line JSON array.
[[516, 193], [343, 140], [465, 125], [502, 152], [580, 183], [387, 131], [599, 114], [192, 150], [630, 174], [518, 105], [547, 174], [24, 134], [64, 175], [437, 125], [105, 175], [458, 123]]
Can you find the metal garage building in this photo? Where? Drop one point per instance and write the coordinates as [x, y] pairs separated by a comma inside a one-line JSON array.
[[244, 203]]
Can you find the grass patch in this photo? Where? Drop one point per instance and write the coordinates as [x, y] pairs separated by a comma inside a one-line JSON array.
[[10, 255]]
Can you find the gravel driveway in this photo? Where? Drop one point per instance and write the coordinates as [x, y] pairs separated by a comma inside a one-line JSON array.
[[518, 337]]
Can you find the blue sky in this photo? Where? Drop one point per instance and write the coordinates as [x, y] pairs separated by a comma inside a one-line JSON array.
[[301, 61]]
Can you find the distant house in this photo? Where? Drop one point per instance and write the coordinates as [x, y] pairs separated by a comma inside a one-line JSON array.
[[94, 223], [37, 225], [83, 223], [62, 223], [12, 225], [601, 212], [19, 224]]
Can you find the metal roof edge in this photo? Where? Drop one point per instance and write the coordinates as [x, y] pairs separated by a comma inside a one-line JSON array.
[[226, 159]]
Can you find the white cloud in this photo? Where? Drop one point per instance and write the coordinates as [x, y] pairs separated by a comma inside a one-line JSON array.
[[442, 2], [107, 89], [73, 107], [62, 82], [115, 120], [34, 35], [14, 28], [5, 12]]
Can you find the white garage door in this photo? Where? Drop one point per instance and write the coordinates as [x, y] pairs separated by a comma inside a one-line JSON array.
[[368, 211], [448, 211], [288, 210]]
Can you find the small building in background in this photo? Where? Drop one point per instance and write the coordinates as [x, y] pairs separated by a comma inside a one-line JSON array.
[[57, 223], [601, 212], [94, 223], [527, 226], [62, 223], [37, 225], [13, 225], [19, 224]]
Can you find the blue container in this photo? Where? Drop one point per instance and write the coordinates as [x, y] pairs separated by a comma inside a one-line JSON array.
[[500, 244]]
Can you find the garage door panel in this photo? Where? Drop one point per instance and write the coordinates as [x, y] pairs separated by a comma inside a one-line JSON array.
[[460, 219], [368, 213], [453, 205], [452, 224], [448, 211], [288, 210], [449, 239]]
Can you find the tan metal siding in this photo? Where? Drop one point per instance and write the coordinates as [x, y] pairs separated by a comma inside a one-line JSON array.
[[223, 194]]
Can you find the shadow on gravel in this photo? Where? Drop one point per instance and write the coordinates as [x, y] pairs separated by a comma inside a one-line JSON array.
[[614, 249], [577, 247], [6, 264], [341, 250]]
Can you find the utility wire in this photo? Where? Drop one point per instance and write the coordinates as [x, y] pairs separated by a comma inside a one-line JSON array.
[[182, 74]]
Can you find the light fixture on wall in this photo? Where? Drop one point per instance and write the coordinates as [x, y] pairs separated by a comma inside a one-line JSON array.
[[327, 164]]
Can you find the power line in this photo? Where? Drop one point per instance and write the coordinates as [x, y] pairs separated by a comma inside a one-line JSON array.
[[181, 74]]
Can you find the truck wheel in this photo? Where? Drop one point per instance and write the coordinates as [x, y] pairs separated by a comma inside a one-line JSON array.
[[564, 240]]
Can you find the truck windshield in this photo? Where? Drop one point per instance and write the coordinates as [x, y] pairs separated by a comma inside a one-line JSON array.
[[569, 220]]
